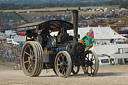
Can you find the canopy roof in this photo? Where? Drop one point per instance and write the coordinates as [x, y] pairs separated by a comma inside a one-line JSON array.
[[30, 24], [53, 25]]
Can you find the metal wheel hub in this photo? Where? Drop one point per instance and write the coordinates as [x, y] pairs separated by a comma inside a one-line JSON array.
[[30, 60], [61, 64]]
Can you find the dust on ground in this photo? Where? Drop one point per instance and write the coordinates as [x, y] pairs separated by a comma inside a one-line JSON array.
[[107, 75]]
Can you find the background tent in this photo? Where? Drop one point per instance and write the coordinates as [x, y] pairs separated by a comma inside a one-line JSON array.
[[99, 33]]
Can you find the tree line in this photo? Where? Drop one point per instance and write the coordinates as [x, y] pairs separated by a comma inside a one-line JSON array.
[[123, 4]]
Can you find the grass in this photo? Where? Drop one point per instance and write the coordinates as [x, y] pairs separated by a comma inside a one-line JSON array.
[[1, 18], [16, 17], [55, 9]]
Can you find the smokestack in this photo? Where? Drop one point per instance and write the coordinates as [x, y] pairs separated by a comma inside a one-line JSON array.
[[75, 25]]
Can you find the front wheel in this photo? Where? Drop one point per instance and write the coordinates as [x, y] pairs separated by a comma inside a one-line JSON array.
[[63, 64], [90, 64]]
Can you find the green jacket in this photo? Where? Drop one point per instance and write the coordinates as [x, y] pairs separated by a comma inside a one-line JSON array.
[[88, 41]]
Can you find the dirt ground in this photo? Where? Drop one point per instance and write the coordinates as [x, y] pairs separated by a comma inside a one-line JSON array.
[[107, 75]]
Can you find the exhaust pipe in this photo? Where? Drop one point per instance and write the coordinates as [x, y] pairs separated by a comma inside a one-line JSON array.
[[75, 25]]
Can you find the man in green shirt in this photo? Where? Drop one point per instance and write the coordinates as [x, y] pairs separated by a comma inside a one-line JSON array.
[[87, 40]]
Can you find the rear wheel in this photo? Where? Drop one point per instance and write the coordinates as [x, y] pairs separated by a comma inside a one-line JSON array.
[[90, 64], [32, 58], [63, 64]]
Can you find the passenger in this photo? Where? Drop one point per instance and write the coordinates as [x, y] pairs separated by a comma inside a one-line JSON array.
[[45, 34], [62, 31], [31, 35], [87, 40]]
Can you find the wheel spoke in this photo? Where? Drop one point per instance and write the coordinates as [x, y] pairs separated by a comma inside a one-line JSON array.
[[59, 60], [30, 48], [92, 68], [58, 64], [32, 68], [88, 69], [63, 59], [29, 67], [27, 53], [26, 62], [63, 71], [65, 64], [33, 59], [86, 56], [60, 68], [32, 54], [92, 58], [33, 64]]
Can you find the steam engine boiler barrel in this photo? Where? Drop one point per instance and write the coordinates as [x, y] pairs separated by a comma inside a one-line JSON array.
[[75, 25], [76, 49], [62, 48]]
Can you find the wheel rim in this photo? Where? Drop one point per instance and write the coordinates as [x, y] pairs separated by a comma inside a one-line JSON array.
[[90, 64], [63, 64], [29, 59]]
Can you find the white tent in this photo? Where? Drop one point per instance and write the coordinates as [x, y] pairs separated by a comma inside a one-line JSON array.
[[2, 35], [99, 33], [105, 49], [109, 49]]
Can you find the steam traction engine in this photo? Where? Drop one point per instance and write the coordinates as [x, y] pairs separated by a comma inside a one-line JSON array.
[[62, 53]]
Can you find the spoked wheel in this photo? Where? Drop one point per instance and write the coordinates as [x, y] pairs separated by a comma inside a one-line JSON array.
[[63, 64], [90, 63], [32, 58], [75, 69]]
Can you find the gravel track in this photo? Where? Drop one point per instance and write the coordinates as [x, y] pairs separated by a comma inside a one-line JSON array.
[[107, 75]]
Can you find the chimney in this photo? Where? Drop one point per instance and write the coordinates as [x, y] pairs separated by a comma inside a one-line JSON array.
[[75, 25]]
